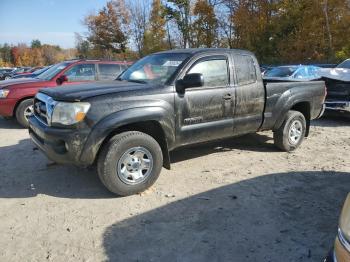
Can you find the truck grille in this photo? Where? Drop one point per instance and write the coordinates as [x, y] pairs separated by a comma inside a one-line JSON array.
[[40, 110], [43, 106]]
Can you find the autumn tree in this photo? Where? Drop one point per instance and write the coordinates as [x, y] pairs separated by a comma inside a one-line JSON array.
[[312, 30], [37, 57], [204, 25], [155, 33], [50, 54], [16, 59], [106, 32]]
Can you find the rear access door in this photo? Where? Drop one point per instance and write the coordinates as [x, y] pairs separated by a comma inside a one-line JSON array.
[[250, 95]]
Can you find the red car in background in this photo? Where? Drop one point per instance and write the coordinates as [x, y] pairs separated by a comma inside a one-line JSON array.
[[16, 95]]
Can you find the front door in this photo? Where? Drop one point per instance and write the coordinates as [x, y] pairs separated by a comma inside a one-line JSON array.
[[205, 113]]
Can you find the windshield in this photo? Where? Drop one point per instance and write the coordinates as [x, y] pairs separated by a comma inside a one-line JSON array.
[[54, 70], [281, 71], [39, 71], [345, 64], [157, 68]]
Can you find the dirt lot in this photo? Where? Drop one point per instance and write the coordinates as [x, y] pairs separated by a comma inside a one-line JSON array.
[[233, 200]]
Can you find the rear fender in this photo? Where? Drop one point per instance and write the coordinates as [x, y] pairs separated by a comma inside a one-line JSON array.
[[285, 104]]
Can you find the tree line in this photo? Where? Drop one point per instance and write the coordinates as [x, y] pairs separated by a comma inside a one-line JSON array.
[[36, 54], [277, 31]]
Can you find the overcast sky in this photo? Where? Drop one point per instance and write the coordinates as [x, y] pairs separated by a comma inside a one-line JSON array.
[[50, 21]]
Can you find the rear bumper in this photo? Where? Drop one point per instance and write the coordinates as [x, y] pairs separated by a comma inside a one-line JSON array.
[[7, 106], [63, 146], [338, 105]]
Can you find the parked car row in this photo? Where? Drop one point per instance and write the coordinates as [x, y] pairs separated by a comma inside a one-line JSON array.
[[31, 74], [9, 73], [16, 95]]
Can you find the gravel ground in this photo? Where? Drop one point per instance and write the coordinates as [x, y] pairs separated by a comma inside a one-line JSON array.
[[234, 200]]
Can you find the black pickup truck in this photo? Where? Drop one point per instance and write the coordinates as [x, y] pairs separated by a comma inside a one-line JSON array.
[[167, 100]]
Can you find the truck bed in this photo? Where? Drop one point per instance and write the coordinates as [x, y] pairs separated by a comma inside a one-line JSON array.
[[280, 93]]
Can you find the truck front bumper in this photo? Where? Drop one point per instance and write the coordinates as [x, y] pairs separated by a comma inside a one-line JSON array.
[[59, 144]]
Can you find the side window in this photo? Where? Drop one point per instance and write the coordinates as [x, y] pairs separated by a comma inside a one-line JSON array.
[[245, 69], [81, 72], [109, 71], [215, 72]]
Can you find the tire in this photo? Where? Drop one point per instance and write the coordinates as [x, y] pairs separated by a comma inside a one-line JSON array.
[[7, 77], [122, 159], [291, 133], [22, 112]]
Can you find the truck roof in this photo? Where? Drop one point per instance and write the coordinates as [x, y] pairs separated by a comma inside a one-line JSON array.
[[203, 50]]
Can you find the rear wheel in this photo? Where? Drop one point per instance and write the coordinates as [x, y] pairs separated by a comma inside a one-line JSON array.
[[292, 132], [24, 110], [130, 163]]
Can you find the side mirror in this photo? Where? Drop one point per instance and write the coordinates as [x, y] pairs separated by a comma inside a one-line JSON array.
[[62, 79], [190, 80]]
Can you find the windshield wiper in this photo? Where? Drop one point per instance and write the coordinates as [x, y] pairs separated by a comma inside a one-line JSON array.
[[136, 81]]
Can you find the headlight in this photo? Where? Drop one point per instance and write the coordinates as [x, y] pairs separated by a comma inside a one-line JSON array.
[[4, 93], [69, 113], [344, 222]]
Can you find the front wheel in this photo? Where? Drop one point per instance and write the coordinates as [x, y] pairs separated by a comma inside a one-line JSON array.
[[130, 163], [292, 132], [24, 110]]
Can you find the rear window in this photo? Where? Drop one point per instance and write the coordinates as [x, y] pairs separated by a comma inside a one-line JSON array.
[[245, 69], [110, 71]]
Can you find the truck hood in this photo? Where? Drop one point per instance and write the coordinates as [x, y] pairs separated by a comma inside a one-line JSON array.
[[19, 81], [80, 92]]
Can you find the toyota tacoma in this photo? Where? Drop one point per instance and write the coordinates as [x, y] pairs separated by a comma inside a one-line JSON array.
[[128, 126]]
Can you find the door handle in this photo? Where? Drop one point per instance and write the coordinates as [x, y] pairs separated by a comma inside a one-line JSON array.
[[227, 97]]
